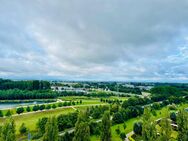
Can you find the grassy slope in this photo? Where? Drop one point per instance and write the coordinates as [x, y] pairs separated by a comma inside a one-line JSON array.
[[31, 119]]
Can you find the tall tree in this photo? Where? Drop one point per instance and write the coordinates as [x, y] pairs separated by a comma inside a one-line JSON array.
[[82, 130], [182, 121], [106, 130], [149, 132], [51, 130], [166, 129], [8, 131]]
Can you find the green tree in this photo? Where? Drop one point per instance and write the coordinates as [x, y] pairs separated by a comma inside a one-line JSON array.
[[8, 114], [8, 131], [124, 126], [106, 130], [149, 132], [117, 118], [28, 109], [48, 106], [51, 130], [182, 121], [82, 130], [42, 107], [23, 129], [118, 130], [1, 113], [166, 129], [35, 107], [41, 124], [173, 116], [54, 106], [19, 110], [122, 136], [137, 128]]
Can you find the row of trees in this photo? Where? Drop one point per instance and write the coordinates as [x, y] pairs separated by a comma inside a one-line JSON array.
[[15, 94], [21, 110], [24, 85]]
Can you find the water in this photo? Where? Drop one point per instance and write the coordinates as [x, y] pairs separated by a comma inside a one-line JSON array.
[[14, 105]]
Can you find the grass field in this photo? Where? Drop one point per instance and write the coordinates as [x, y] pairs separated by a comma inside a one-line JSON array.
[[31, 119]]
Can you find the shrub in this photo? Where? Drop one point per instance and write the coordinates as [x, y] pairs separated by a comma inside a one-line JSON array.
[[54, 106], [122, 136], [35, 108], [137, 128], [19, 110], [48, 106], [1, 113], [28, 109], [23, 129], [117, 118], [124, 126], [118, 130], [42, 107], [173, 116], [60, 104], [73, 103], [8, 114]]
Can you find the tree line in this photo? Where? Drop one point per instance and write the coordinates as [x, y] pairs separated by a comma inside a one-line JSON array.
[[15, 94], [24, 85]]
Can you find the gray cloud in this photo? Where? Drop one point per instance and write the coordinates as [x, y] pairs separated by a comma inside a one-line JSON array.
[[125, 40]]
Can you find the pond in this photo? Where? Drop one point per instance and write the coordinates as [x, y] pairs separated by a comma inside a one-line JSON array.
[[10, 105]]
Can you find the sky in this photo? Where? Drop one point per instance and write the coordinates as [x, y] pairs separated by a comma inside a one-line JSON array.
[[101, 40]]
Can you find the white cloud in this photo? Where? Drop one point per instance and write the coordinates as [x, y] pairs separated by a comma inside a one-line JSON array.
[[94, 40]]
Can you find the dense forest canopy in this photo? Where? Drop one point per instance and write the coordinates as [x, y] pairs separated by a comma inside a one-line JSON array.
[[6, 84], [35, 89], [168, 90]]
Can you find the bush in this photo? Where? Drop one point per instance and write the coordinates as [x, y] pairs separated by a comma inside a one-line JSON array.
[[8, 114], [173, 116], [54, 106], [1, 113], [28, 109], [42, 107], [73, 103], [124, 126], [23, 129], [35, 107], [19, 110], [65, 103], [117, 118], [48, 106], [122, 136], [41, 124], [60, 104], [118, 130], [137, 128]]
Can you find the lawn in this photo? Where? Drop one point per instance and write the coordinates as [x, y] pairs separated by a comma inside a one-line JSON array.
[[31, 119]]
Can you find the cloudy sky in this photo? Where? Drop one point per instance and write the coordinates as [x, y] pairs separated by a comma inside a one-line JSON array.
[[121, 40]]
